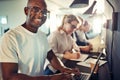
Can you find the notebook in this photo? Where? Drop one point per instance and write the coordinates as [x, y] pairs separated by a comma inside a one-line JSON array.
[[83, 57], [86, 76]]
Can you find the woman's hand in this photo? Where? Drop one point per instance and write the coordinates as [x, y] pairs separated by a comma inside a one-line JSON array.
[[91, 46], [76, 55], [85, 48], [70, 55]]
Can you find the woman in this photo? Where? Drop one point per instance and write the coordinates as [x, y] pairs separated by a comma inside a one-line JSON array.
[[80, 37], [62, 43]]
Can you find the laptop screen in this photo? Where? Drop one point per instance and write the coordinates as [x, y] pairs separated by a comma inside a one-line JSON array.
[[98, 58]]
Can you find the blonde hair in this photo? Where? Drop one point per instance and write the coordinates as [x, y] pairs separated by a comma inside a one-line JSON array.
[[68, 19]]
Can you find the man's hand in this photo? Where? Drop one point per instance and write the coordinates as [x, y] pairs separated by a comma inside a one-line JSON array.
[[70, 71], [66, 74], [61, 76]]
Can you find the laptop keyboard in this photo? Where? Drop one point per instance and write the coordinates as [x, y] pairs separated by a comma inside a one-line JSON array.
[[82, 76]]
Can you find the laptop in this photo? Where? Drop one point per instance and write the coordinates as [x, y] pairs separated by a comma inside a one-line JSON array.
[[87, 76]]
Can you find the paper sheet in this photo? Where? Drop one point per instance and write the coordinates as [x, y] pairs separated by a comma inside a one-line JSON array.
[[87, 62], [83, 57], [83, 64], [94, 60]]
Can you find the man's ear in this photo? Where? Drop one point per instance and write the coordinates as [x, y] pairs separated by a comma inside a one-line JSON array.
[[26, 10]]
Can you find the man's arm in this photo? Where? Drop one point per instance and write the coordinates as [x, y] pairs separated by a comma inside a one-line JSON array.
[[56, 64], [54, 61], [10, 72]]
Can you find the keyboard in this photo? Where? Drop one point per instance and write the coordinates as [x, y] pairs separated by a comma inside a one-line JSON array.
[[82, 76]]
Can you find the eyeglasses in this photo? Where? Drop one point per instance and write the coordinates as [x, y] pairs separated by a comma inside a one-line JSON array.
[[38, 10], [72, 26]]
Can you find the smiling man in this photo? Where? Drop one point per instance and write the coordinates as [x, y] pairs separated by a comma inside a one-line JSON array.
[[23, 49]]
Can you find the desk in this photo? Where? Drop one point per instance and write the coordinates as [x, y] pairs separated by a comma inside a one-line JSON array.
[[103, 71]]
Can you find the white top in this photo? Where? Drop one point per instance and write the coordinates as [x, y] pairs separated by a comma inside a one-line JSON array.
[[81, 35], [61, 42], [27, 49]]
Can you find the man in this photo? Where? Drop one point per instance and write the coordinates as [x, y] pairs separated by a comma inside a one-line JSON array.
[[23, 50], [79, 36]]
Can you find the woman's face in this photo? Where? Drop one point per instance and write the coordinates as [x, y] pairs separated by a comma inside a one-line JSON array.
[[70, 27]]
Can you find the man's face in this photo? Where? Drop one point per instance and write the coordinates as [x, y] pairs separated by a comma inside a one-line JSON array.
[[37, 13]]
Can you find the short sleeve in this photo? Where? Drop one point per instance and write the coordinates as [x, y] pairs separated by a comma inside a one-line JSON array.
[[8, 51]]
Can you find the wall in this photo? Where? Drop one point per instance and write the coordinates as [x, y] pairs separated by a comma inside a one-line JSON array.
[[14, 10], [115, 46], [108, 10]]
